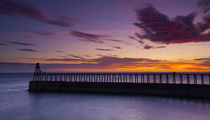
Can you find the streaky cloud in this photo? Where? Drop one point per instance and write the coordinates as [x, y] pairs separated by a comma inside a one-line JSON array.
[[29, 11], [28, 50], [101, 49], [3, 44], [21, 43], [147, 47], [87, 37], [116, 47]]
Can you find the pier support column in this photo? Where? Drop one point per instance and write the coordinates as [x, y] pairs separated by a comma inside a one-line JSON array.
[[188, 79], [167, 79], [202, 79], [148, 78], [160, 78], [195, 79], [174, 78], [154, 78], [181, 79]]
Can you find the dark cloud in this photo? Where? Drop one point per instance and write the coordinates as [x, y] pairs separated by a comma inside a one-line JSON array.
[[87, 37], [197, 69], [199, 59], [118, 41], [126, 61], [103, 62], [158, 28], [109, 55], [152, 47], [101, 49], [204, 61], [75, 56], [148, 47], [205, 5], [21, 43], [3, 44], [16, 9], [63, 60], [28, 50], [44, 33], [116, 47], [108, 61], [59, 51], [164, 66], [160, 47], [134, 38]]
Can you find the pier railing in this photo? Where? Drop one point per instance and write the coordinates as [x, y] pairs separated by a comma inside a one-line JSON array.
[[153, 78]]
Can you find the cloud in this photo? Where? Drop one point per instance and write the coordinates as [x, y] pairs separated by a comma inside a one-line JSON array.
[[204, 61], [21, 43], [107, 60], [160, 47], [205, 5], [75, 56], [118, 41], [29, 11], [148, 47], [44, 33], [59, 51], [96, 38], [3, 44], [87, 37], [28, 50], [106, 63], [63, 60], [116, 47], [101, 49], [110, 55], [152, 47], [134, 38], [124, 61], [164, 66], [158, 27]]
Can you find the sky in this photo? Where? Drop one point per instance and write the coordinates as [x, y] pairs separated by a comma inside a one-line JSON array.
[[105, 35]]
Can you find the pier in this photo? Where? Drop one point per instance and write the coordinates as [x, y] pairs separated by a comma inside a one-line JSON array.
[[193, 85]]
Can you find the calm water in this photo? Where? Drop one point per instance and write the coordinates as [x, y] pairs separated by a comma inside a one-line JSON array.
[[16, 103]]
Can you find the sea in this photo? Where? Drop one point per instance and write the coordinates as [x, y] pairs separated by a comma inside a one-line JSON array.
[[16, 103]]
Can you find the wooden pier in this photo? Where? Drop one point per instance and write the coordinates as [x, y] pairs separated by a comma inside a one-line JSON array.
[[195, 85]]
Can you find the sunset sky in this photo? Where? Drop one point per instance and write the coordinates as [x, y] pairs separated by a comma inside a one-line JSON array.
[[105, 35]]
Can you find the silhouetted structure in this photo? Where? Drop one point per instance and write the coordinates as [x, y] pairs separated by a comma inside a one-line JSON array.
[[173, 84], [37, 69]]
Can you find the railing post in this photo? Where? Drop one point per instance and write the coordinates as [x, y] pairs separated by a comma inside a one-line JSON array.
[[195, 79], [160, 75], [209, 79], [148, 80], [154, 78], [188, 79], [136, 78], [181, 79], [125, 77], [202, 79], [167, 79], [174, 78]]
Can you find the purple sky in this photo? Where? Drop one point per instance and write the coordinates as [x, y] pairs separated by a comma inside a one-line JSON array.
[[105, 35]]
